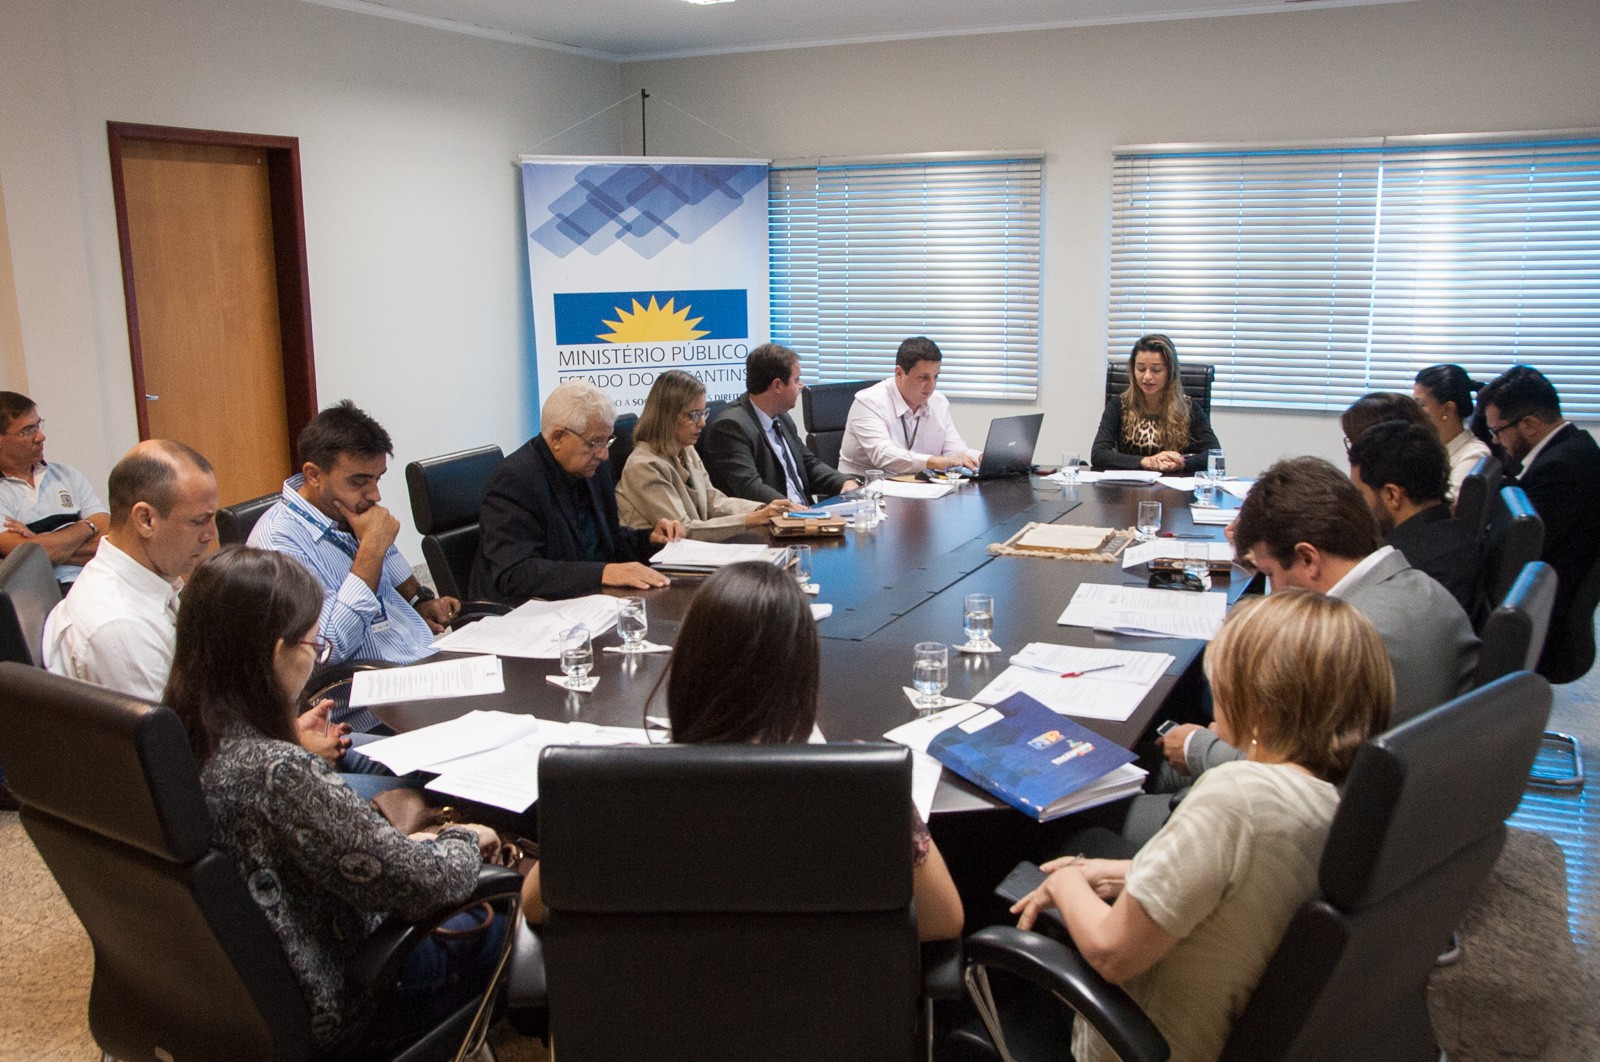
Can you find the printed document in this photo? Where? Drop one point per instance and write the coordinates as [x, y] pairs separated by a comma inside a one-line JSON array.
[[1144, 612], [471, 677], [440, 743], [533, 629], [1174, 549]]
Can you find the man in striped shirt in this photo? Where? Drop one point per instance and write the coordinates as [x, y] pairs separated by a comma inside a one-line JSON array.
[[330, 520]]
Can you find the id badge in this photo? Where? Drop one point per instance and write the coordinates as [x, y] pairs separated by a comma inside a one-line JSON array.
[[380, 626]]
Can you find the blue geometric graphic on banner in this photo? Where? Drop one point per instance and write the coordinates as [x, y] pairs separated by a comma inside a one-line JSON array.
[[651, 316], [647, 208]]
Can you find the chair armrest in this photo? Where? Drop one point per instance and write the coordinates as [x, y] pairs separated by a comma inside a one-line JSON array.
[[472, 611], [1064, 973], [379, 960], [941, 969]]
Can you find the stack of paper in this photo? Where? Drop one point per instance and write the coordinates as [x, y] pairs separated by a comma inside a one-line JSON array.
[[532, 630], [1207, 516], [891, 488], [1175, 549], [1065, 538], [471, 677], [1070, 680], [1144, 612], [690, 555], [1120, 475]]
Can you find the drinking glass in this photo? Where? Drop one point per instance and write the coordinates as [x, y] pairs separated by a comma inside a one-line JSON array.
[[1196, 559], [1149, 518], [930, 674], [1069, 468], [802, 564], [632, 623], [1216, 466], [577, 655], [874, 485], [977, 620]]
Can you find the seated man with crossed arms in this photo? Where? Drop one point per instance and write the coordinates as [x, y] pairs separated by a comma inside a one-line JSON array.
[[47, 503], [903, 424]]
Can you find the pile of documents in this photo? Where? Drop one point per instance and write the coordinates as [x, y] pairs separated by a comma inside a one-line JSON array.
[[1145, 612], [702, 558], [531, 630], [1088, 683]]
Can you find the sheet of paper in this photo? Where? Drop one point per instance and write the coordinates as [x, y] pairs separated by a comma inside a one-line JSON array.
[[506, 777], [1205, 517], [1130, 666], [890, 488], [1086, 698], [925, 774], [1174, 549], [821, 611], [532, 630], [1119, 476], [920, 732], [692, 553], [442, 742], [471, 677], [1139, 610], [1183, 483]]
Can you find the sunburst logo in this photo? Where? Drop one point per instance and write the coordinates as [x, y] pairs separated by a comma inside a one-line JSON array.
[[652, 323]]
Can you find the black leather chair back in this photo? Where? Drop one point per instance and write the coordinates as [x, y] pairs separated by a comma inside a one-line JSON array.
[[737, 901], [235, 522], [184, 961], [1570, 650], [1195, 379], [1514, 633], [622, 444], [1513, 537], [28, 591], [827, 409], [446, 495], [1419, 826], [714, 410], [1484, 481]]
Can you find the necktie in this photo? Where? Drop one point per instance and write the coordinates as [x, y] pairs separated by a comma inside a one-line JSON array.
[[796, 485]]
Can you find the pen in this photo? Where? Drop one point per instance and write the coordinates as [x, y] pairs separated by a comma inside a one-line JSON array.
[[1174, 534], [1068, 674]]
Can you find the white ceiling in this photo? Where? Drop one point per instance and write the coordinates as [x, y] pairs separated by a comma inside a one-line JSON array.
[[629, 30]]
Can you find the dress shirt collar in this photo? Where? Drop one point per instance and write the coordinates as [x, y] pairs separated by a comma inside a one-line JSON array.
[[141, 581], [1533, 454], [1359, 572], [322, 525], [765, 421], [36, 472], [898, 404]]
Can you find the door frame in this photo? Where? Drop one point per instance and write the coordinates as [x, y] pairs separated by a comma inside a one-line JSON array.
[[289, 252]]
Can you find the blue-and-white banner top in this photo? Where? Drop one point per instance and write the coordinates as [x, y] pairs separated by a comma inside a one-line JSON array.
[[637, 266]]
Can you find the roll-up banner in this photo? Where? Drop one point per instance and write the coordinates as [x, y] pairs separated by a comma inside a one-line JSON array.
[[641, 265]]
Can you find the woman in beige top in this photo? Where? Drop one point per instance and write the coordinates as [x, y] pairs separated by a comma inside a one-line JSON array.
[[664, 477], [1301, 680]]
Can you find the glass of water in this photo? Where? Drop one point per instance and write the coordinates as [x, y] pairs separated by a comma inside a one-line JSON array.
[[1149, 518], [577, 656], [977, 620], [802, 564], [930, 674], [1216, 466], [1070, 464], [632, 623], [1196, 560], [874, 487]]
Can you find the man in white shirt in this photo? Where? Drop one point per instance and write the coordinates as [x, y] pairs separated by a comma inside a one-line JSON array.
[[51, 504], [118, 626], [903, 424]]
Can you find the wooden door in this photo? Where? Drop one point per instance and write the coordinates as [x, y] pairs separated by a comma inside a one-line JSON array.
[[203, 259]]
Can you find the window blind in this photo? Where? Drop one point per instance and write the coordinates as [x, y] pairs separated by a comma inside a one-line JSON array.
[[864, 255], [1310, 277]]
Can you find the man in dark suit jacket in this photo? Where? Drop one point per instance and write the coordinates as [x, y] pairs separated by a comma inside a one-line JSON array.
[[1560, 474], [549, 518], [752, 450], [1403, 473]]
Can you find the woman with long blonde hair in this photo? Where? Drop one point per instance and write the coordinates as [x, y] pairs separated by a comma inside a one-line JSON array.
[[1153, 425]]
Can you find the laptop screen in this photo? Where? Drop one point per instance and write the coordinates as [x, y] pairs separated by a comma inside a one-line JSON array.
[[1009, 448]]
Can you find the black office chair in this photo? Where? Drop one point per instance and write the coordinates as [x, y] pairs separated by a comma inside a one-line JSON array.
[[827, 409], [1569, 653], [186, 965], [1512, 538], [28, 591], [1420, 823], [1194, 377], [446, 495], [1513, 635], [622, 443], [714, 410], [1477, 487], [235, 522], [745, 901]]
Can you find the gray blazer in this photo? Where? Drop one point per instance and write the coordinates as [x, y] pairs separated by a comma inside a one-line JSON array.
[[654, 487], [1428, 636]]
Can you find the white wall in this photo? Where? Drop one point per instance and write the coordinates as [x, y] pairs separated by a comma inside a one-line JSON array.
[[407, 135], [1433, 66]]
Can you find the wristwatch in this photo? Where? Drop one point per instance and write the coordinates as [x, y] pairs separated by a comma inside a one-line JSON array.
[[423, 594]]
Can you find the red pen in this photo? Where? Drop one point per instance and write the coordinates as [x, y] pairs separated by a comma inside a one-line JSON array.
[[1069, 674]]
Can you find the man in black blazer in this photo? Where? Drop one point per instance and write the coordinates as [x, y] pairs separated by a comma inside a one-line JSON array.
[[752, 450], [1403, 474], [549, 518], [1560, 474]]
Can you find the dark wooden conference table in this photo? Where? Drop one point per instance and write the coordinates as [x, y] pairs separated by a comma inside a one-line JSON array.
[[893, 586]]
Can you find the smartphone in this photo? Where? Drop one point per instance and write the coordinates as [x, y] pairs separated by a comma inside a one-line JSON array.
[[1161, 731]]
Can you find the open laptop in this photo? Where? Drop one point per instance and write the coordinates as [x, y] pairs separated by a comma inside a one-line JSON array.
[[1009, 449]]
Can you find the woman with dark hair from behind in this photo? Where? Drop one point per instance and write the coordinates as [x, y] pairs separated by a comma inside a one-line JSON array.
[[323, 867], [1445, 394], [1153, 425], [1188, 925], [745, 670], [1378, 407]]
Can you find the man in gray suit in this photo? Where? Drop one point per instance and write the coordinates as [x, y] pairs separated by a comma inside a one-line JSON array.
[[1305, 524]]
